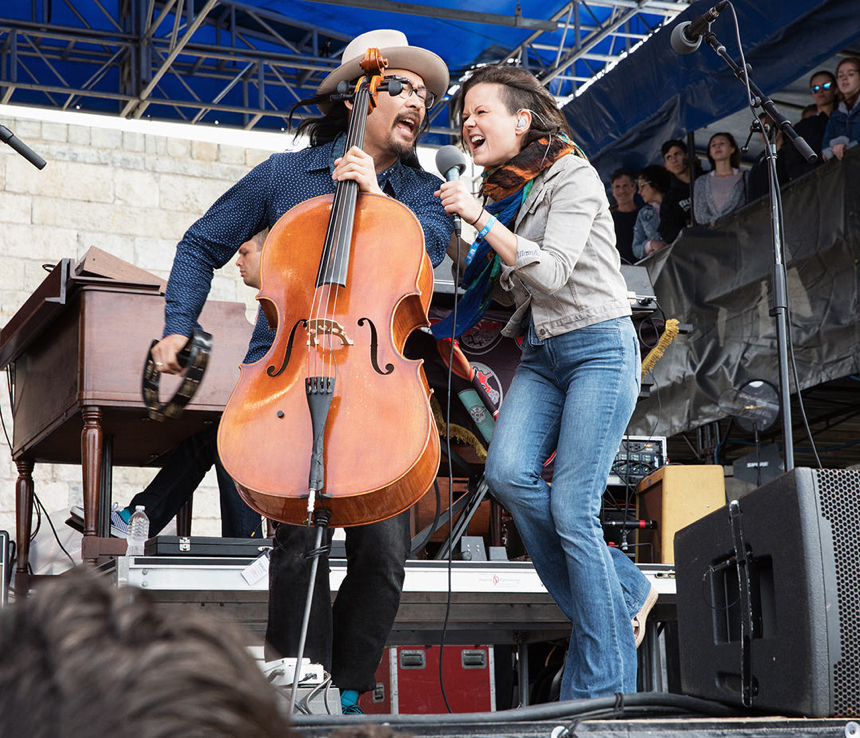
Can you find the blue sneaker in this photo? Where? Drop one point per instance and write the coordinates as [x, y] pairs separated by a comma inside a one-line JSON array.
[[349, 702], [119, 521]]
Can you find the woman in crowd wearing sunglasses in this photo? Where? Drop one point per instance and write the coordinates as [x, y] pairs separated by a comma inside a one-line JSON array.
[[843, 128], [822, 87]]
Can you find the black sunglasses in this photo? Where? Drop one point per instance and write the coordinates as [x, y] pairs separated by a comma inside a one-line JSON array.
[[819, 88]]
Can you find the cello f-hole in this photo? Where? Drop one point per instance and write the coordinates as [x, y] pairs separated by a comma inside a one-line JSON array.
[[374, 349], [271, 370]]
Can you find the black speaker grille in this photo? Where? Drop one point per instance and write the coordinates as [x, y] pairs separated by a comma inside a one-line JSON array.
[[839, 495]]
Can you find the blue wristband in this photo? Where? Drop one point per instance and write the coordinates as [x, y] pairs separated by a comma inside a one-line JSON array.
[[472, 249], [486, 229]]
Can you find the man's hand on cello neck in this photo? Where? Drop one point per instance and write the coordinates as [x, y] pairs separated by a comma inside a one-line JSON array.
[[358, 166]]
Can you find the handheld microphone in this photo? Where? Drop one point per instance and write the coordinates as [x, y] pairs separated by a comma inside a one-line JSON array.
[[451, 164], [687, 36]]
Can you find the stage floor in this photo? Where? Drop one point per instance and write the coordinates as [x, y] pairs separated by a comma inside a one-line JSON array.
[[677, 727]]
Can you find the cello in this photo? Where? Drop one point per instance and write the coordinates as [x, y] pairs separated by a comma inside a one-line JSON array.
[[334, 417]]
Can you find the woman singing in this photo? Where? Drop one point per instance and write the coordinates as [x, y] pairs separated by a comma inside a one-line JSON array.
[[546, 240]]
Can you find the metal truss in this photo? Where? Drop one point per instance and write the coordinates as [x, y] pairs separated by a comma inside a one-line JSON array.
[[232, 63], [589, 43]]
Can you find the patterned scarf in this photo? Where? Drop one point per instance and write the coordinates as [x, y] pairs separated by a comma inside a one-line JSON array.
[[508, 186]]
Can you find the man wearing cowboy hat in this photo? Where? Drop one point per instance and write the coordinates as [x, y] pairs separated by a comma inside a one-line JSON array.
[[347, 638]]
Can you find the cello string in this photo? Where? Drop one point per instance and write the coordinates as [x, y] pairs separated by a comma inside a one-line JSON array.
[[339, 206], [346, 214], [355, 136]]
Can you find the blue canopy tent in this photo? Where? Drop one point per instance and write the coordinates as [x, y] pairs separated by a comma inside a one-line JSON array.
[[245, 63], [657, 94]]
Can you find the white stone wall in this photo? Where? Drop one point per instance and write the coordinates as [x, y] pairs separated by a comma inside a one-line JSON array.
[[128, 192]]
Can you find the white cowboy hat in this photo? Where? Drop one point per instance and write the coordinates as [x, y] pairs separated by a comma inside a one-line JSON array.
[[393, 46]]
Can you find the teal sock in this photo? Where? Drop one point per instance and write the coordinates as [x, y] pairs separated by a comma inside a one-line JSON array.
[[348, 698], [125, 514]]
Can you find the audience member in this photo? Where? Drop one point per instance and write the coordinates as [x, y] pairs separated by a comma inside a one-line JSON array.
[[723, 189], [82, 659], [675, 208], [759, 177], [811, 126], [843, 128], [653, 185], [624, 212]]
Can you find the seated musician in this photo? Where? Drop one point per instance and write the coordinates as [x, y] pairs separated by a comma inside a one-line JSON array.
[[348, 638], [193, 458]]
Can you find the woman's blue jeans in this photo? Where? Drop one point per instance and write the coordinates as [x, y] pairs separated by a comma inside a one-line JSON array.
[[573, 394]]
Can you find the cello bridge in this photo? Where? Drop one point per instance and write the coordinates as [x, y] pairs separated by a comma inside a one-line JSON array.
[[319, 327]]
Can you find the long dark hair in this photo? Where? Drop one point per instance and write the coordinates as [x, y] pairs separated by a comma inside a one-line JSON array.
[[735, 159], [521, 90], [322, 130]]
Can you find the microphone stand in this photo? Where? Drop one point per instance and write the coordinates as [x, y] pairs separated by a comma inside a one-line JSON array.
[[779, 310], [7, 137]]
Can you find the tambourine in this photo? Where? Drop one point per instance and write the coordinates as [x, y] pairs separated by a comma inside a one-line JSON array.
[[194, 357]]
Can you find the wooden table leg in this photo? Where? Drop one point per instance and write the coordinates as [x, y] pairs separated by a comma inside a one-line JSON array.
[[92, 445], [95, 469], [23, 521]]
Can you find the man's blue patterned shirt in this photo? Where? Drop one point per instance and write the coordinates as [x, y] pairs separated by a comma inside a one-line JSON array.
[[257, 201]]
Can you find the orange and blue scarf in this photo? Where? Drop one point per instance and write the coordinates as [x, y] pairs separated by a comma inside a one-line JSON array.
[[508, 185]]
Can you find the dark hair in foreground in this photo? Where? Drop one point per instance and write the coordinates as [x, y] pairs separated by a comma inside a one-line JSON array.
[[82, 659], [521, 90]]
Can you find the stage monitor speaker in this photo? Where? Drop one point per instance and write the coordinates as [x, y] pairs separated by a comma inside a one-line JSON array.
[[768, 597]]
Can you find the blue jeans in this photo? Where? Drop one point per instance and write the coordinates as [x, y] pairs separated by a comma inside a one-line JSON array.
[[181, 474], [634, 584], [572, 393]]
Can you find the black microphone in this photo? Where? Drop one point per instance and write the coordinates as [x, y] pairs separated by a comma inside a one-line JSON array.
[[687, 36], [451, 164], [7, 137]]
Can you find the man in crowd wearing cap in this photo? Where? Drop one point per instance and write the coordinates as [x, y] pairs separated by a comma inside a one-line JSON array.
[[347, 638]]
